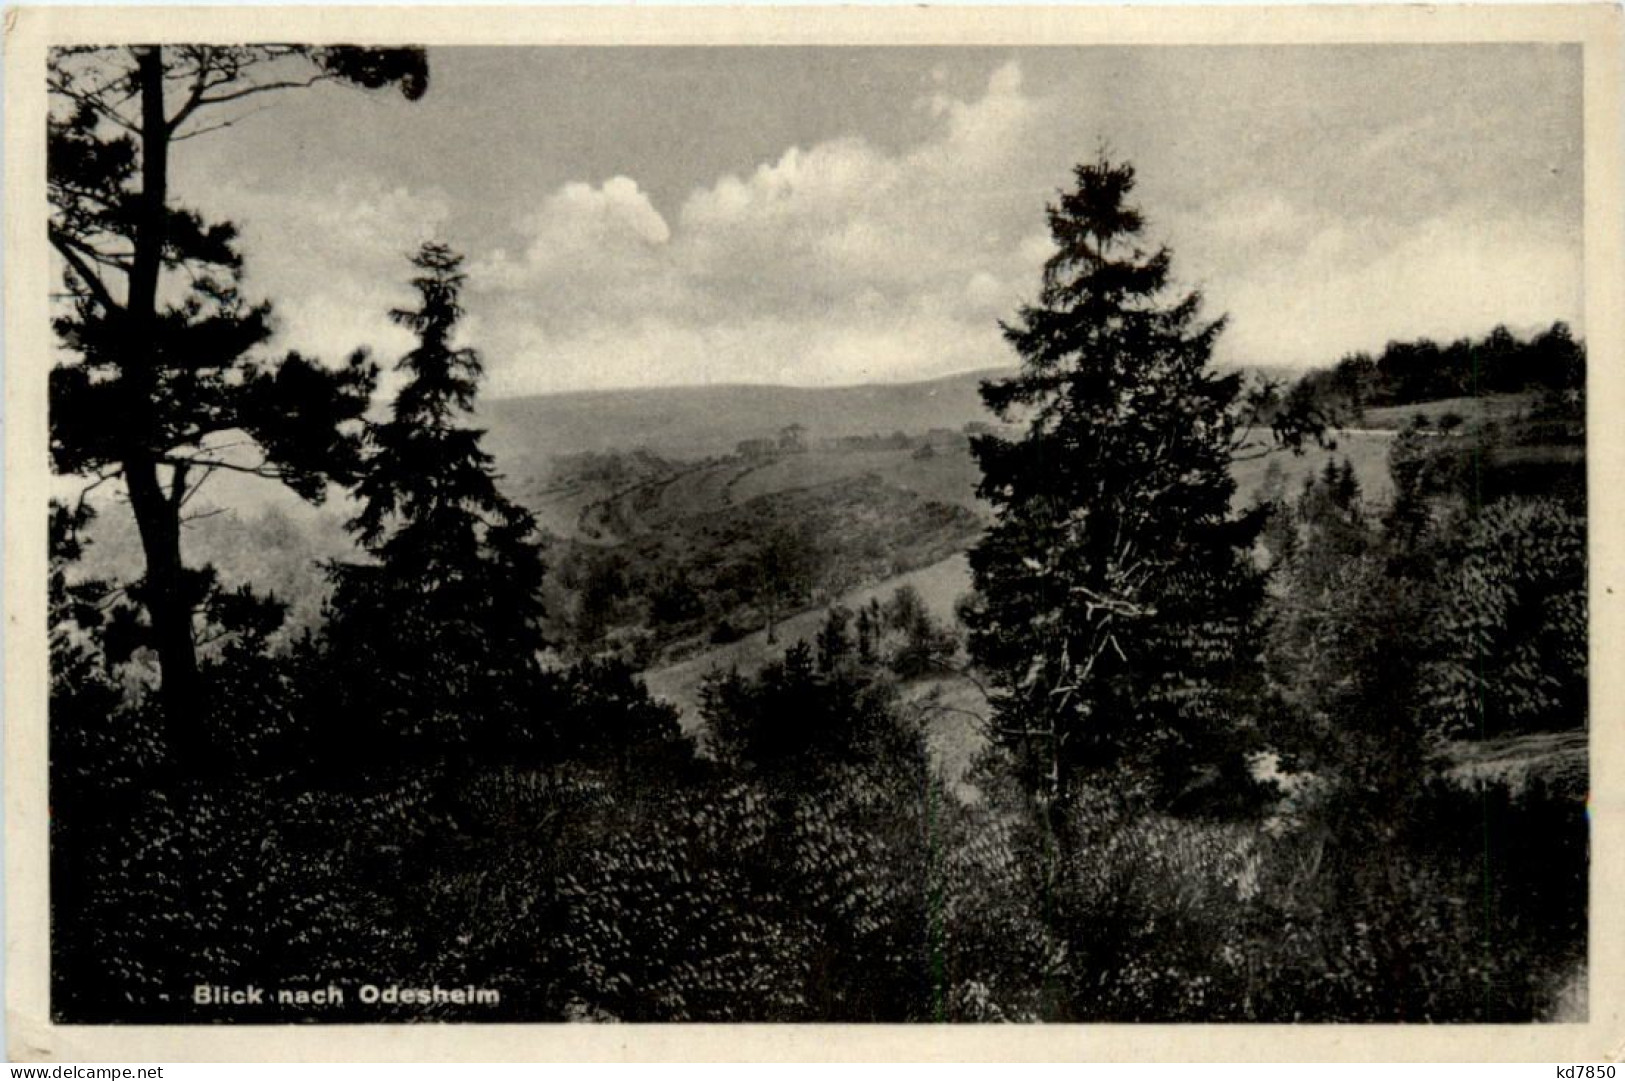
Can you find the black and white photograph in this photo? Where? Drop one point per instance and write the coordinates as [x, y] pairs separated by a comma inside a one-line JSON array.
[[812, 532]]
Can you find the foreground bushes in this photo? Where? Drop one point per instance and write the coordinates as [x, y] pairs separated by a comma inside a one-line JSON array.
[[580, 860], [769, 887]]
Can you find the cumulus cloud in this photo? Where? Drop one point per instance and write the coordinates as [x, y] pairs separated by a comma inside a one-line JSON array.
[[836, 262], [844, 260], [333, 261], [577, 228]]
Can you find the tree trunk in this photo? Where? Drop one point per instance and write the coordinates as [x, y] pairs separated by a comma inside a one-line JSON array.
[[772, 609], [169, 609], [1057, 805], [157, 515]]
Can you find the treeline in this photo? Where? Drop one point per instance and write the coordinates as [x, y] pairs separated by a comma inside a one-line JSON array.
[[1551, 362]]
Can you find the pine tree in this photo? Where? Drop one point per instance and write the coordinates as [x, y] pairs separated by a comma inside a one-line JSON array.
[[1113, 589], [437, 639], [162, 376]]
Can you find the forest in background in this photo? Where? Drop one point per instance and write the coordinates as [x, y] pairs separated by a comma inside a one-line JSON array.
[[1254, 731]]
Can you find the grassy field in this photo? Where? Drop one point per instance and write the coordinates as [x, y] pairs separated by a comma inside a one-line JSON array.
[[1366, 450], [951, 706], [708, 421], [1490, 408], [278, 544]]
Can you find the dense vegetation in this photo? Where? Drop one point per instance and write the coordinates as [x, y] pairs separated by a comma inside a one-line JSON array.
[[1551, 363], [1220, 777]]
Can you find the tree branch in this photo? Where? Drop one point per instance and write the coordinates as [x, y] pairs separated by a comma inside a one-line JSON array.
[[264, 469], [66, 245], [221, 126], [188, 519], [94, 102], [177, 484], [261, 88], [84, 493]]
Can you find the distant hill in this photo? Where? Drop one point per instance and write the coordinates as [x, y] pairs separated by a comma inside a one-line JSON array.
[[704, 421], [613, 496], [697, 422]]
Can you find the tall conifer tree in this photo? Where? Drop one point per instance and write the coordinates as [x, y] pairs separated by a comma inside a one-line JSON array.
[[1112, 590], [438, 637]]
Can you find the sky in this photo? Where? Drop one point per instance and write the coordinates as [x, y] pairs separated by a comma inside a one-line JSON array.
[[826, 216]]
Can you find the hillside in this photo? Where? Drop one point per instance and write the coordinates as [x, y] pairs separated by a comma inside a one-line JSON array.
[[898, 509], [707, 421], [609, 497], [940, 585], [879, 461]]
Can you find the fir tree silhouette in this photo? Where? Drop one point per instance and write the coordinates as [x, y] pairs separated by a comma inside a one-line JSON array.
[[1114, 581], [436, 640]]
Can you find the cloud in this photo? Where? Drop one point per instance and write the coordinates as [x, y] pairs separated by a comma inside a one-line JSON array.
[[833, 263], [334, 262], [579, 227], [1303, 286], [846, 260], [1457, 274]]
